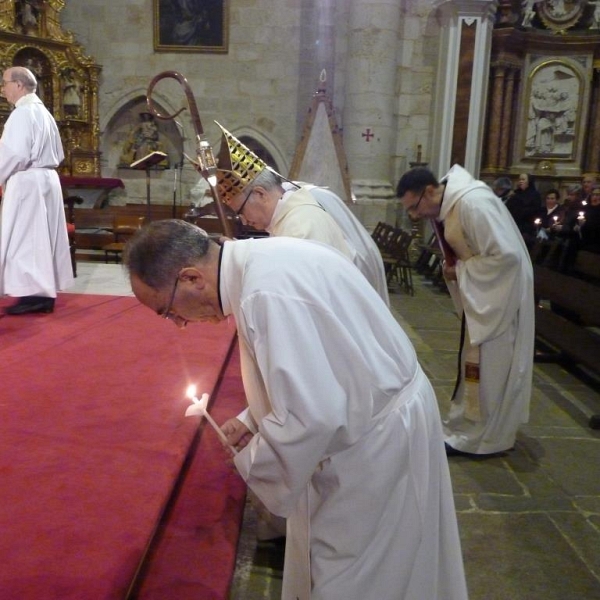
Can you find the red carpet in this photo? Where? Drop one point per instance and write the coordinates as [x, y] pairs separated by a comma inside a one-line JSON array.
[[93, 439]]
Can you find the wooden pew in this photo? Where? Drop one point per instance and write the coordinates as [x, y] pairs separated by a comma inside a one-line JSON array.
[[567, 313]]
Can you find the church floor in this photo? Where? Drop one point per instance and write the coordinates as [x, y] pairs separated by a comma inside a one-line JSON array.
[[529, 520]]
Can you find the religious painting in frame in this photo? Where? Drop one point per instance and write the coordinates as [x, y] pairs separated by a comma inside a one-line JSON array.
[[552, 117], [191, 26]]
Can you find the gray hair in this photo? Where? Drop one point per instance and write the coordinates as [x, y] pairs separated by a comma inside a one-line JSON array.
[[25, 77], [267, 179], [157, 252], [502, 184], [574, 189]]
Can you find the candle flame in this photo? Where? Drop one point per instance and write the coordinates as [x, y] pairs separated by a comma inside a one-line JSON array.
[[191, 392]]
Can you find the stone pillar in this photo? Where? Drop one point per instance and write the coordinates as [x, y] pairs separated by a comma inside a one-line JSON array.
[[466, 28], [368, 117]]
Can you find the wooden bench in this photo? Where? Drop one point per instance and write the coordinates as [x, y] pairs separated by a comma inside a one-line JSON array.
[[567, 313]]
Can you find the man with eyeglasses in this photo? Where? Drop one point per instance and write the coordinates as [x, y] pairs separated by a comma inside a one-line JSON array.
[[266, 201], [35, 261], [342, 435], [490, 278]]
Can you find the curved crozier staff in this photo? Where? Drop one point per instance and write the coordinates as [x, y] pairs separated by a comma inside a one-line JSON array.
[[206, 160]]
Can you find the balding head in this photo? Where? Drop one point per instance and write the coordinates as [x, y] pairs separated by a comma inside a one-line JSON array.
[[24, 76]]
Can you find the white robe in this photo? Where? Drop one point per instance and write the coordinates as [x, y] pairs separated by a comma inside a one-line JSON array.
[[299, 215], [349, 445], [495, 288], [363, 250], [34, 246], [366, 255]]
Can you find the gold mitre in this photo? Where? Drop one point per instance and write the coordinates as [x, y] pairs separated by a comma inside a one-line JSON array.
[[237, 166]]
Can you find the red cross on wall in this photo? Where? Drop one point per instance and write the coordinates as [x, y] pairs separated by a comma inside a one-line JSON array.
[[368, 134]]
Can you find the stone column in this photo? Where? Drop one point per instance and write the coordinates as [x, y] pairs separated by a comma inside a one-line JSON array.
[[368, 117], [466, 28]]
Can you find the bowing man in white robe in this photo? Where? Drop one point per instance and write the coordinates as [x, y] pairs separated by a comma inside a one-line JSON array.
[[342, 435], [264, 200], [35, 259], [365, 253], [492, 286]]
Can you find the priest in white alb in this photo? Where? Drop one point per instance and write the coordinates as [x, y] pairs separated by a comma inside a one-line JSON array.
[[491, 282], [342, 435]]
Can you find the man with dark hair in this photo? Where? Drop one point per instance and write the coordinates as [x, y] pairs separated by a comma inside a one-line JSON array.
[[35, 261], [342, 435], [491, 281]]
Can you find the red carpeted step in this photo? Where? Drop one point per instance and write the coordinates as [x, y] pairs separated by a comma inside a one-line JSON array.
[[195, 548], [92, 440]]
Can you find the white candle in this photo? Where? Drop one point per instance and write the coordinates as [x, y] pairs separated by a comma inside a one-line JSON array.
[[199, 408]]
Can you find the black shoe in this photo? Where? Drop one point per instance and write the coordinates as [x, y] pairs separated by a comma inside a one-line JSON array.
[[31, 304], [450, 451]]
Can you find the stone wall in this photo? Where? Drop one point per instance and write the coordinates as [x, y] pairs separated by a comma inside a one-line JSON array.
[[263, 86]]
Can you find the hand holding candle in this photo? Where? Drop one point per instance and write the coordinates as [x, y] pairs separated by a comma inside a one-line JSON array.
[[199, 407]]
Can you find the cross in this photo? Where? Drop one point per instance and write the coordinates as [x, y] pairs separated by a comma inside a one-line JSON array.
[[368, 134]]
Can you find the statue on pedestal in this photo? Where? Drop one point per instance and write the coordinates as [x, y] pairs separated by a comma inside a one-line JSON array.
[[143, 140]]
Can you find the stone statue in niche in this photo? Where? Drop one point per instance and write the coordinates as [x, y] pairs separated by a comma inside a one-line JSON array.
[[143, 140], [72, 94]]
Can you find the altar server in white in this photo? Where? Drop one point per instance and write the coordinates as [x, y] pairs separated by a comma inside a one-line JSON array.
[[342, 435], [492, 285], [267, 201], [35, 260]]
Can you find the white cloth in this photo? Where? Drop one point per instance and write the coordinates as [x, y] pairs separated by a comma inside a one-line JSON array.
[[349, 445], [366, 255], [299, 215], [495, 285], [34, 246]]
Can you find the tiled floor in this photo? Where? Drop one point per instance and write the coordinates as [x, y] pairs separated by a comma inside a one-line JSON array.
[[101, 278]]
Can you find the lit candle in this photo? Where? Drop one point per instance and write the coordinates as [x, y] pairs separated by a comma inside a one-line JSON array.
[[555, 219], [198, 408], [581, 216], [537, 223]]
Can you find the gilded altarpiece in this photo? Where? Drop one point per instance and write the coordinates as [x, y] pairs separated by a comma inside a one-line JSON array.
[[31, 36]]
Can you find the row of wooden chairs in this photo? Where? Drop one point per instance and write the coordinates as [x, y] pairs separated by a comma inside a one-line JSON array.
[[394, 244]]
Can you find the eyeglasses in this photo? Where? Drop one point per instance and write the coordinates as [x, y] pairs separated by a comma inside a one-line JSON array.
[[416, 205], [238, 212], [167, 312], [4, 82]]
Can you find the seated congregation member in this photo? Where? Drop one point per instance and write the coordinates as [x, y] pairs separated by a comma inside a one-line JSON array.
[[552, 214], [342, 435], [266, 201], [503, 188], [491, 282], [524, 205]]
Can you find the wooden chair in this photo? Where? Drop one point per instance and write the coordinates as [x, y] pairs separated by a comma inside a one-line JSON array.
[[70, 202], [124, 226], [396, 260]]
